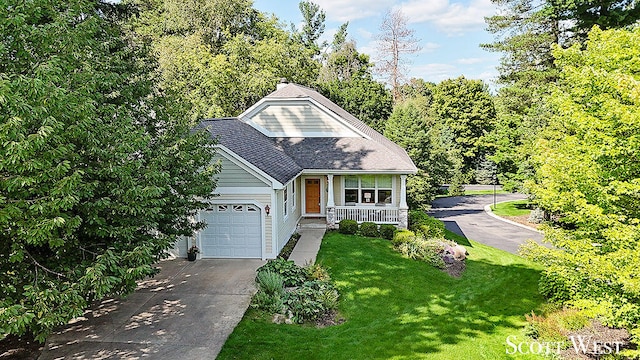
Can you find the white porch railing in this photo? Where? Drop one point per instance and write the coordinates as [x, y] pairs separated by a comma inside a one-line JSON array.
[[379, 215]]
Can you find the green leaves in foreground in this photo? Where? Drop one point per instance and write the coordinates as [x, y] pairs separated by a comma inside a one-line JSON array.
[[589, 176], [98, 173]]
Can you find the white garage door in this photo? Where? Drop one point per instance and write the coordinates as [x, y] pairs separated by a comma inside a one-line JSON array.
[[233, 231]]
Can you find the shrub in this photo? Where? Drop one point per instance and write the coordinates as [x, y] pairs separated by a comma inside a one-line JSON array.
[[387, 231], [317, 272], [270, 303], [555, 325], [369, 229], [349, 227], [270, 296], [434, 228], [292, 274], [270, 282], [402, 236], [417, 218], [427, 250], [311, 301]]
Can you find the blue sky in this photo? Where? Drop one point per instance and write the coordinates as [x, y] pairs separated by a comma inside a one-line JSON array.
[[450, 32]]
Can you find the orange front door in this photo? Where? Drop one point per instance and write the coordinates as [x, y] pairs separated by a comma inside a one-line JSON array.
[[312, 196]]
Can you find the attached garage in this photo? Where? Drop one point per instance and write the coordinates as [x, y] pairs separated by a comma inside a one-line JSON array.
[[233, 231]]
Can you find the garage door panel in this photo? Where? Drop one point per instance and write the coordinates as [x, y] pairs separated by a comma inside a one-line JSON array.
[[234, 230]]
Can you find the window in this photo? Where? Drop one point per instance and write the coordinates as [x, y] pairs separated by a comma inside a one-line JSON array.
[[368, 189], [286, 201], [294, 201]]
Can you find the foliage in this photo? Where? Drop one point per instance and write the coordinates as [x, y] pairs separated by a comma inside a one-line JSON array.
[[313, 26], [369, 229], [525, 33], [402, 236], [292, 274], [411, 127], [363, 97], [99, 171], [271, 295], [588, 179], [270, 282], [313, 296], [387, 231], [427, 250], [536, 216], [348, 226], [420, 222], [466, 109], [316, 271], [555, 325], [225, 58], [311, 301]]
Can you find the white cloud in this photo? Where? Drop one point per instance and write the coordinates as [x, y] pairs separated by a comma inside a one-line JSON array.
[[429, 47], [470, 61], [348, 10], [434, 72], [452, 18]]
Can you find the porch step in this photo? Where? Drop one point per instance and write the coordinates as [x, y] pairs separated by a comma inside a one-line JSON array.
[[313, 224]]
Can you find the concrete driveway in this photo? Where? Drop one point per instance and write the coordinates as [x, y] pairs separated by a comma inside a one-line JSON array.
[[465, 215], [185, 312]]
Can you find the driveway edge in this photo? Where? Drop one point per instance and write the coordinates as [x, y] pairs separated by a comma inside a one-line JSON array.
[[487, 209]]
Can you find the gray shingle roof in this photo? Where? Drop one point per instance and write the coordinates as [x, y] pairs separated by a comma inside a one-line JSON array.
[[253, 146], [284, 158]]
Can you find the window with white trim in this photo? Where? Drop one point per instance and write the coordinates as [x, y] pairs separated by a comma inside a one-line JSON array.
[[368, 189], [294, 201], [286, 201]]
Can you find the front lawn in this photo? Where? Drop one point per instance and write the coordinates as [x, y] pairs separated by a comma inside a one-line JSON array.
[[396, 308]]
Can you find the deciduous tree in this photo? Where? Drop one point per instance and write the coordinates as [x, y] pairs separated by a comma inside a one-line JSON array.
[[588, 177], [99, 172], [393, 42]]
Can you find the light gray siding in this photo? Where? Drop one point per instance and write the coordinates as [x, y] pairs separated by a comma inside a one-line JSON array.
[[232, 175], [300, 120], [287, 225]]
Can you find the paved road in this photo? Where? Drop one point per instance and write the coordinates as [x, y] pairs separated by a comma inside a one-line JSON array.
[[465, 215]]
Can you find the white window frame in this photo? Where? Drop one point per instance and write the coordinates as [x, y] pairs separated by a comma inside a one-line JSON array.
[[294, 203], [285, 200], [375, 189]]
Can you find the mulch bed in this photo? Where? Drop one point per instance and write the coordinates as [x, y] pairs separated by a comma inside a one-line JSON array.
[[20, 348], [456, 268], [331, 318], [522, 219], [596, 332]]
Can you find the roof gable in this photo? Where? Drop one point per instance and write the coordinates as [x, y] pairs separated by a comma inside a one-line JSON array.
[[297, 117]]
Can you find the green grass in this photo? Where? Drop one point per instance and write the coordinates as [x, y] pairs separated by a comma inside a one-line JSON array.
[[477, 192], [396, 308], [512, 208]]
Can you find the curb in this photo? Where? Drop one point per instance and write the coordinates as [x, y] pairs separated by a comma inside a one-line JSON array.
[[487, 209]]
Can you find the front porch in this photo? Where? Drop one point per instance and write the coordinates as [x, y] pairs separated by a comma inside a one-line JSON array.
[[378, 198]]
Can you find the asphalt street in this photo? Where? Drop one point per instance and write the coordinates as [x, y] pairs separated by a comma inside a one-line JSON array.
[[465, 216]]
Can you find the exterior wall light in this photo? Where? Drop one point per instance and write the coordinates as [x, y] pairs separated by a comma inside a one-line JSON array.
[[267, 209]]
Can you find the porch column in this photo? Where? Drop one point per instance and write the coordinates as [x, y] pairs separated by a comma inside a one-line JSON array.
[[331, 205], [403, 211]]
